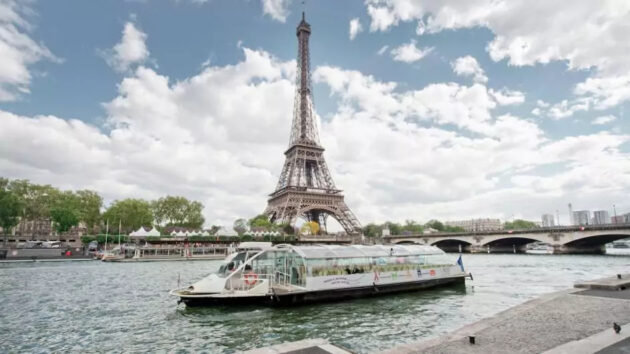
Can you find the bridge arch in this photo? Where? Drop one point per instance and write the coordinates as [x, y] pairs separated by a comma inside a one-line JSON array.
[[452, 244], [592, 243], [408, 242], [512, 243]]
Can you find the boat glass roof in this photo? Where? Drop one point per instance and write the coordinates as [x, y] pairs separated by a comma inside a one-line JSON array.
[[354, 251]]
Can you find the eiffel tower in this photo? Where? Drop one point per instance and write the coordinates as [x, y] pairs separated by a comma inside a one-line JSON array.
[[306, 188]]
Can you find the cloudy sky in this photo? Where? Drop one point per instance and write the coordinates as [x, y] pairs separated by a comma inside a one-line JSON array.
[[427, 109]]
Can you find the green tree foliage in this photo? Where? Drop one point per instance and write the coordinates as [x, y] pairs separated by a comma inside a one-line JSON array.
[[130, 213], [36, 199], [412, 227], [394, 228], [178, 211], [89, 207], [10, 211], [65, 211], [240, 226], [372, 230], [520, 224], [261, 221], [435, 224]]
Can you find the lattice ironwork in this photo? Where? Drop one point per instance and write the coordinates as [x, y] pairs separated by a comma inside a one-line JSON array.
[[305, 187]]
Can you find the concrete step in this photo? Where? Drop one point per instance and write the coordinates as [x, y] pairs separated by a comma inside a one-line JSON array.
[[618, 282]]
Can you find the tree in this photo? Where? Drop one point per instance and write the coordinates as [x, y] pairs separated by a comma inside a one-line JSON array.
[[240, 226], [310, 227], [36, 199], [412, 227], [372, 230], [435, 224], [394, 228], [178, 211], [214, 229], [65, 211], [519, 224], [10, 210], [65, 217], [130, 213], [261, 221], [90, 204]]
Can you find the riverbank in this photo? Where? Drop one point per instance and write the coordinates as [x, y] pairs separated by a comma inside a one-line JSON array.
[[578, 320]]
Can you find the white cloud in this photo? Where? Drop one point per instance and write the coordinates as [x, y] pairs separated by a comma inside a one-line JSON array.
[[603, 120], [508, 97], [566, 109], [355, 28], [524, 36], [430, 170], [468, 66], [606, 92], [18, 51], [216, 137], [131, 49], [383, 50], [409, 53], [277, 9]]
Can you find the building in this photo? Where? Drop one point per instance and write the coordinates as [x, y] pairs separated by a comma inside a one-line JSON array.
[[621, 219], [474, 225], [581, 217], [548, 220], [600, 217]]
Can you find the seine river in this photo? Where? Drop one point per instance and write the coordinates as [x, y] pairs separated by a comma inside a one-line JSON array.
[[104, 307]]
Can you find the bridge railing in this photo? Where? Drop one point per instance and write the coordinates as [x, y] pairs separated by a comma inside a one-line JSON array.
[[553, 229]]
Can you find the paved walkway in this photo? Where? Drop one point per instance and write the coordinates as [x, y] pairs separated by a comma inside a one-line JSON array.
[[307, 346], [542, 324]]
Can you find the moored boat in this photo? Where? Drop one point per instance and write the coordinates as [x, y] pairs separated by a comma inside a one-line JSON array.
[[287, 274], [539, 248]]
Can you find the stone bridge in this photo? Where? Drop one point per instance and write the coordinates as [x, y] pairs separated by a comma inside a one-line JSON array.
[[564, 239]]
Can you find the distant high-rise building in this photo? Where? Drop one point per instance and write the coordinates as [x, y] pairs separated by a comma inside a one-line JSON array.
[[621, 219], [581, 217], [571, 214], [548, 220], [600, 217]]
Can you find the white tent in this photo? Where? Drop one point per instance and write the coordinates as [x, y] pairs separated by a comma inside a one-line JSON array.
[[138, 233], [181, 233], [174, 233], [153, 232], [205, 233]]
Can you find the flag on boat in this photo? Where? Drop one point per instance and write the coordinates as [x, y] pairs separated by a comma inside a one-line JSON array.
[[460, 262]]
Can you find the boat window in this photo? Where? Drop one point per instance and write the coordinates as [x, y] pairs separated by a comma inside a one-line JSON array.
[[231, 265]]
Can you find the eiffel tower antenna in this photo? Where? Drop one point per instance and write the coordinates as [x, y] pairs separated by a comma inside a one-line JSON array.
[[306, 188]]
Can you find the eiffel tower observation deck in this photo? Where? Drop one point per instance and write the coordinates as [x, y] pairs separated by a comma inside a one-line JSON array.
[[306, 188]]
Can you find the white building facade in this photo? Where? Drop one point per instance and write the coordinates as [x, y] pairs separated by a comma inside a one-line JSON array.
[[474, 225], [582, 217], [601, 217]]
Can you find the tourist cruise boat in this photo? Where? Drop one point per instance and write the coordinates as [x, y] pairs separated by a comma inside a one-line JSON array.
[[287, 274]]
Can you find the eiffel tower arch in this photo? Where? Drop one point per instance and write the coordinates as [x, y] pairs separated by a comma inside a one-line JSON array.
[[306, 188]]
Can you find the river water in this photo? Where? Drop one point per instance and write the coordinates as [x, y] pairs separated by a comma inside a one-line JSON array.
[[104, 307]]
